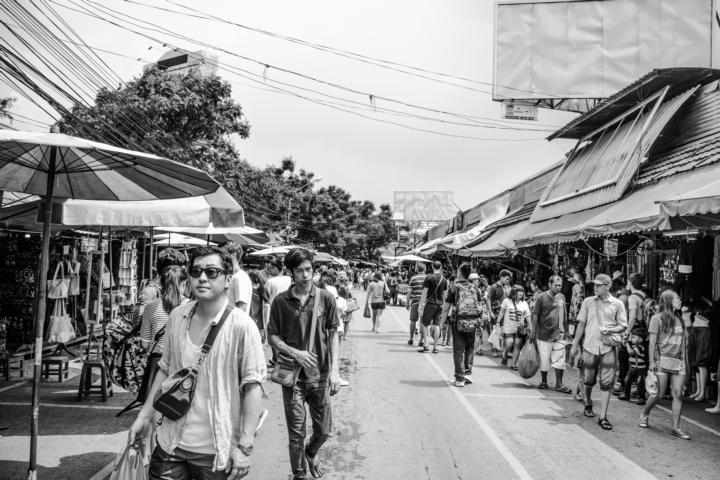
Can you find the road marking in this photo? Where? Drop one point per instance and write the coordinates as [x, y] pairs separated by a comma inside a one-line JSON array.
[[19, 384], [484, 426], [105, 472], [63, 405]]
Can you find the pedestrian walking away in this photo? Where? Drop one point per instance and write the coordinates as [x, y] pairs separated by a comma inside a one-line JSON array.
[[431, 304], [416, 287], [601, 323], [214, 437], [294, 314], [549, 327], [376, 294], [465, 300]]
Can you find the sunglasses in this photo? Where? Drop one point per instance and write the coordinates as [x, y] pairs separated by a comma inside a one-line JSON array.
[[210, 272]]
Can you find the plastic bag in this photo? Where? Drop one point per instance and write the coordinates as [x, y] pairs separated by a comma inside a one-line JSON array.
[[129, 464], [495, 338], [651, 384], [528, 360]]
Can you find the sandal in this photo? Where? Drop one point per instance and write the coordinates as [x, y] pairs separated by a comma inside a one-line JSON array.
[[316, 468], [542, 386], [676, 432], [435, 350], [589, 412], [604, 424], [563, 389]]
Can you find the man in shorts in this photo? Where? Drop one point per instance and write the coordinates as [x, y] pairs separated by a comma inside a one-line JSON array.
[[549, 325], [601, 313], [431, 302], [416, 288]]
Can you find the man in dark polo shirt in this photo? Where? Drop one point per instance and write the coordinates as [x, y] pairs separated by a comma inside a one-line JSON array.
[[431, 303], [291, 314]]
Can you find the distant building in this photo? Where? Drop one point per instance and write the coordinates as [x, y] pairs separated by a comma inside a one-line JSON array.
[[181, 61]]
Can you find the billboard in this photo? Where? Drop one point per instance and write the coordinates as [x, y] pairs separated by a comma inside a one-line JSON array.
[[425, 206], [590, 49]]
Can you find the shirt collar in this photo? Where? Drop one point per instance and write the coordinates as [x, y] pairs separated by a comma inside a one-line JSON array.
[[190, 312], [292, 295]]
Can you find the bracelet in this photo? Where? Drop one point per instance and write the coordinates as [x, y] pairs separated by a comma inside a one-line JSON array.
[[246, 449]]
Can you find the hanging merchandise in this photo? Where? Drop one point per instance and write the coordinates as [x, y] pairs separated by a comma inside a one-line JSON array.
[[88, 244], [60, 329], [74, 274], [716, 269], [610, 247], [631, 263], [58, 286], [685, 257], [668, 270], [590, 267]]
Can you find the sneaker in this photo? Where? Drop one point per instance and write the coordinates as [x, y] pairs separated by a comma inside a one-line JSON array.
[[468, 379], [410, 342], [459, 383], [344, 383]]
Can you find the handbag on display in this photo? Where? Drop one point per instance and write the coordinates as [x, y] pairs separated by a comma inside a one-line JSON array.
[[58, 287], [287, 370], [60, 328], [107, 280], [176, 393], [74, 284]]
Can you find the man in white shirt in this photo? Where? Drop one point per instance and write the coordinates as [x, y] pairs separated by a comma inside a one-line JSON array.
[[239, 292]]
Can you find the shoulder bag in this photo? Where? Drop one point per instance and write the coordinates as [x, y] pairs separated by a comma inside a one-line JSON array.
[[286, 369], [175, 396], [58, 287]]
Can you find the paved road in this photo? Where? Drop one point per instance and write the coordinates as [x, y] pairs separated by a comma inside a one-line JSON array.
[[401, 419]]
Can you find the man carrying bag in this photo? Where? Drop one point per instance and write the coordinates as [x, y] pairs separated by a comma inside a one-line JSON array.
[[303, 328], [209, 386]]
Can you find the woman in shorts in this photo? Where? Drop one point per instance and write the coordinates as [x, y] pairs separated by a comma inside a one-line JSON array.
[[514, 318], [667, 358], [376, 297]]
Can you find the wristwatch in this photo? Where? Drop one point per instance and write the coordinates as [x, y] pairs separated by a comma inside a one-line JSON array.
[[246, 449]]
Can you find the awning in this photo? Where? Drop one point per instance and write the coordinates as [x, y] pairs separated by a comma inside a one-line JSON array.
[[637, 212], [500, 243], [700, 201]]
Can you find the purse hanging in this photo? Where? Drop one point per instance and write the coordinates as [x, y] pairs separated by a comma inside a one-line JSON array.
[[287, 370], [175, 395], [58, 287]]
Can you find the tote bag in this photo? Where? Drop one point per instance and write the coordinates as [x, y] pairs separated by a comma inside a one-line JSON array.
[[58, 287]]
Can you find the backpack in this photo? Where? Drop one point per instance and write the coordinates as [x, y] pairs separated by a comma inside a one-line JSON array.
[[467, 308], [642, 320]]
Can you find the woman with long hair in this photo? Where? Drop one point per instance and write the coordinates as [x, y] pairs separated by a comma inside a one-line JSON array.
[[376, 297], [173, 280], [514, 319], [667, 358]]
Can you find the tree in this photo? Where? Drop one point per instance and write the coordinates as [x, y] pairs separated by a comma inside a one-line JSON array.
[[5, 104], [189, 118]]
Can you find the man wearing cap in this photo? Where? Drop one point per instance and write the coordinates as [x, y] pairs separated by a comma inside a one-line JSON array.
[[599, 314]]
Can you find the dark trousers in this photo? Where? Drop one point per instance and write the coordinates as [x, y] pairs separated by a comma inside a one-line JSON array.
[[183, 465], [317, 397], [623, 364], [636, 375], [463, 351]]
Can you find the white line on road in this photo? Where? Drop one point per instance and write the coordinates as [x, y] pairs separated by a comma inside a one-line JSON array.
[[19, 384], [686, 419], [484, 426], [63, 405]]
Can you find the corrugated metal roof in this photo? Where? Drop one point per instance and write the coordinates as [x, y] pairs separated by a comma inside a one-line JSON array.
[[678, 79], [691, 141], [601, 171]]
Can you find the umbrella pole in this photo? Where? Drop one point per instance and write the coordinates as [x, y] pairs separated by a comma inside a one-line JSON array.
[[152, 260], [40, 306]]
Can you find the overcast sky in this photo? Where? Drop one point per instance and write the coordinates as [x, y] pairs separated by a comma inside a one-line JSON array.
[[368, 158]]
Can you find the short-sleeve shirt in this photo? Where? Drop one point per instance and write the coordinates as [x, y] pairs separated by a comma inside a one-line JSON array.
[[514, 314], [155, 318], [669, 344], [416, 287], [436, 285], [548, 315], [289, 320], [240, 290], [452, 294], [610, 312], [276, 285]]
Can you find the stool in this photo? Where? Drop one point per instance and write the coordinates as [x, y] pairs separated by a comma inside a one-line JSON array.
[[9, 363], [55, 365], [86, 387]]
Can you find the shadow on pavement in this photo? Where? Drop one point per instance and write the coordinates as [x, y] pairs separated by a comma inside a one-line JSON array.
[[424, 383], [508, 384], [71, 468]]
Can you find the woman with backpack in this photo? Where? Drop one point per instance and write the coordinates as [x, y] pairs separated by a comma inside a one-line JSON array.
[[173, 281], [667, 358], [514, 317]]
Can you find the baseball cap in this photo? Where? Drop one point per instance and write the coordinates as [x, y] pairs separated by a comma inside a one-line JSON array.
[[473, 276], [602, 279]]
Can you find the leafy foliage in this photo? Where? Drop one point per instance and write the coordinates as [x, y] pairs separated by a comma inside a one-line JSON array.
[[191, 118], [5, 104]]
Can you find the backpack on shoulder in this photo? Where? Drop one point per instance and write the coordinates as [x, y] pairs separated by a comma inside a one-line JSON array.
[[642, 320], [467, 308]]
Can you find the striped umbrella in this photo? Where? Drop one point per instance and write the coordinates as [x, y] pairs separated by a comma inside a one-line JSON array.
[[53, 164]]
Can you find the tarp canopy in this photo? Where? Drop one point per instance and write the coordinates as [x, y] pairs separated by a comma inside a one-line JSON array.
[[409, 258], [176, 239], [637, 212], [700, 201], [500, 243]]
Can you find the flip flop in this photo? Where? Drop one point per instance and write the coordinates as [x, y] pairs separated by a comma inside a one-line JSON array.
[[604, 424], [589, 412], [317, 470], [563, 389]]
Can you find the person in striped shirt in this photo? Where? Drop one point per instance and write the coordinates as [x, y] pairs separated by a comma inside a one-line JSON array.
[[416, 287]]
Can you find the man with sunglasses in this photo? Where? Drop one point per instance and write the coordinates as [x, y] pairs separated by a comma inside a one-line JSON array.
[[291, 317], [214, 439]]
